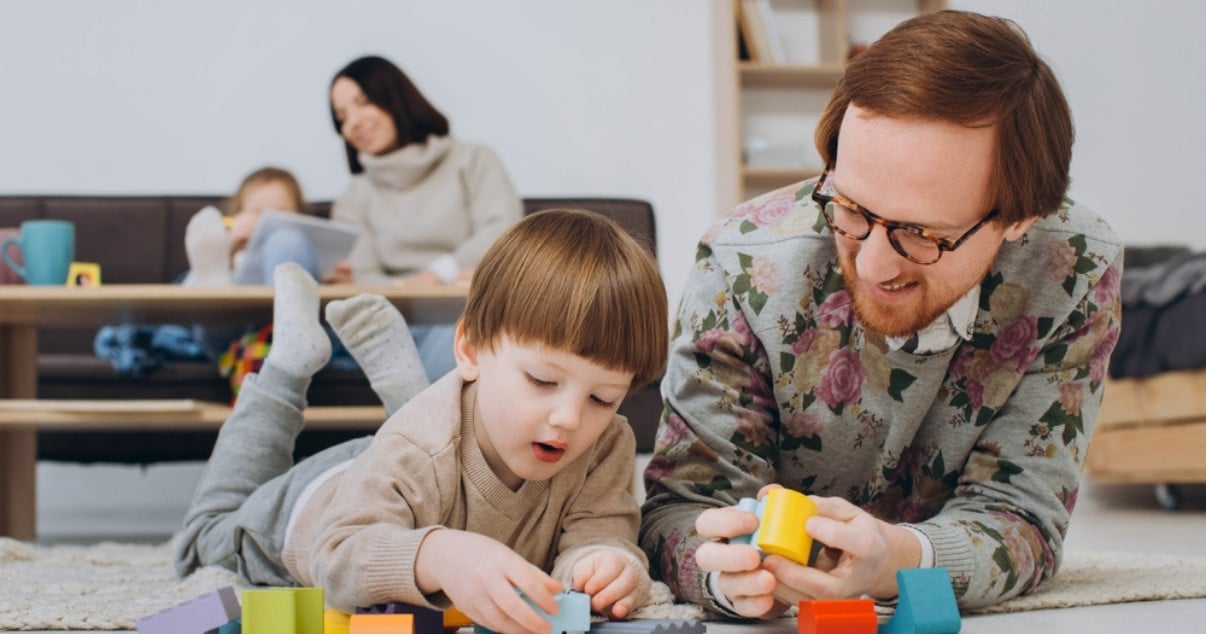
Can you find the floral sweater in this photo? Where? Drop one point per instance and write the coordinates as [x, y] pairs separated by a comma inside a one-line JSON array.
[[772, 379]]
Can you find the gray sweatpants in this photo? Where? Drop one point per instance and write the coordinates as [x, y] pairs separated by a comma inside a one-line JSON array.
[[239, 512]]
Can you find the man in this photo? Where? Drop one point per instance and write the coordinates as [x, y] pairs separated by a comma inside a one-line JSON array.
[[917, 338]]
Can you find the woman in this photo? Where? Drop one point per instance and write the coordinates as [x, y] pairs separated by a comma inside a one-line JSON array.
[[430, 205]]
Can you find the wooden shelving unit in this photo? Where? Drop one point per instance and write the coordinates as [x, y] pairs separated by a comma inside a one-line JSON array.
[[736, 180]]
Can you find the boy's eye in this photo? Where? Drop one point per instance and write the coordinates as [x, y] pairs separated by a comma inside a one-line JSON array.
[[539, 382], [602, 402]]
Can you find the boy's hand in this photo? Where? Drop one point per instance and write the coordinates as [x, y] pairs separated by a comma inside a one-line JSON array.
[[480, 576], [611, 580]]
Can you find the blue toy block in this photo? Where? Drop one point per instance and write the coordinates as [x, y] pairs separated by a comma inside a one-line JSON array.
[[926, 604], [233, 627], [573, 614], [195, 616]]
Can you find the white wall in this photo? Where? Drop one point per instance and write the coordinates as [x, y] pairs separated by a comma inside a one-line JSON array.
[[601, 97], [1135, 77]]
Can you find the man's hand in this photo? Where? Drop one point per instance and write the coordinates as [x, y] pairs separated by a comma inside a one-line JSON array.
[[861, 557], [480, 576], [747, 586], [611, 580]]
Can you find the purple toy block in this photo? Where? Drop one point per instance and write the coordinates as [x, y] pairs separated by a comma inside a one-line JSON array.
[[195, 616]]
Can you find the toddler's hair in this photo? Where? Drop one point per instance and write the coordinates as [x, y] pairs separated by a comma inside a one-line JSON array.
[[263, 176], [574, 281]]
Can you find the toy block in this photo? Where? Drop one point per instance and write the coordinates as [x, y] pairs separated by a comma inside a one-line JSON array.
[[573, 614], [426, 620], [649, 626], [195, 616], [335, 621], [233, 627], [455, 619], [837, 616], [382, 624], [283, 611], [925, 605], [781, 517]]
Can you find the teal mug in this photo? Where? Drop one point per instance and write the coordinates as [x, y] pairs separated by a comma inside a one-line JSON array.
[[47, 248]]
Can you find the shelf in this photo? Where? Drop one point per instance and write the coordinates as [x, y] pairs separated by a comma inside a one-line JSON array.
[[776, 176], [780, 76]]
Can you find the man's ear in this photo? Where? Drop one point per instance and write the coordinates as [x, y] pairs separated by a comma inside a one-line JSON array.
[[465, 353], [1015, 230]]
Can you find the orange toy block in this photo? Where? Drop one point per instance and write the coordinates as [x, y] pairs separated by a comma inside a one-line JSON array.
[[837, 616], [382, 624], [454, 619]]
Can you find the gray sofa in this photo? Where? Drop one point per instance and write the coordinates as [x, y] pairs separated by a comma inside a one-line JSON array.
[[140, 240]]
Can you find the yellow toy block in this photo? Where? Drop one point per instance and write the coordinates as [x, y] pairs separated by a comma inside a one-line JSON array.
[[781, 517], [283, 611], [336, 622], [382, 624]]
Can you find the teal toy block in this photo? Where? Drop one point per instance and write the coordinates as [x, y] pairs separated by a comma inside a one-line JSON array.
[[926, 604], [283, 611], [233, 627], [573, 614]]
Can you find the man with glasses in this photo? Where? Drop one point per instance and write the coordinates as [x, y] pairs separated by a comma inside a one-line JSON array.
[[917, 338]]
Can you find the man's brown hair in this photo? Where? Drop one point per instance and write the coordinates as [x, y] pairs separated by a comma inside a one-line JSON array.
[[974, 70], [573, 281]]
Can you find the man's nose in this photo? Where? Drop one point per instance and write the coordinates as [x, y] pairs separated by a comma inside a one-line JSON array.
[[877, 260]]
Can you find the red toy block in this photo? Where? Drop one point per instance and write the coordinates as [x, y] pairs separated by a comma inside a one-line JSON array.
[[837, 616]]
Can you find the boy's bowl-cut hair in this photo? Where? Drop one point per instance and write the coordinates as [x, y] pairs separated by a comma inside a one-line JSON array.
[[574, 281]]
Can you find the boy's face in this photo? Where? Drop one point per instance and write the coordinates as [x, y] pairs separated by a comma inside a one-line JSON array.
[[538, 409]]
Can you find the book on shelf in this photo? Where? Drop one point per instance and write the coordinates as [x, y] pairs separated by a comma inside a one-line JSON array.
[[756, 19]]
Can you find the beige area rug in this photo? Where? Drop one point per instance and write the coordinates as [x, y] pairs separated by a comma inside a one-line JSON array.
[[109, 586]]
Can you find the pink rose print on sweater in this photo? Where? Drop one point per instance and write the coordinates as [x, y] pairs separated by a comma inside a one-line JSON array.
[[843, 380], [804, 342], [804, 424], [1107, 287], [1061, 260], [1013, 342], [764, 275], [769, 212], [835, 310], [1101, 355], [741, 328], [706, 341]]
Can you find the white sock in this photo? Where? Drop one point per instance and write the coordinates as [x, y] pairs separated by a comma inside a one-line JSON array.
[[207, 244], [300, 346], [379, 340]]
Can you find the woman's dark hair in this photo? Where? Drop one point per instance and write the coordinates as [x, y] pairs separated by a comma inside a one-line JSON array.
[[388, 88]]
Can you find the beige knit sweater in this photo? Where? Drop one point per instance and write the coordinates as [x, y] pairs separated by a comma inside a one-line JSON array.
[[423, 201], [360, 532]]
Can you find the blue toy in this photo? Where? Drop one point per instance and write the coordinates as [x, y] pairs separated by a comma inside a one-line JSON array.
[[926, 604]]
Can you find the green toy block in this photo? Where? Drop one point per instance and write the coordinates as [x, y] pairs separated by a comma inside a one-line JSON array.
[[283, 611], [925, 605]]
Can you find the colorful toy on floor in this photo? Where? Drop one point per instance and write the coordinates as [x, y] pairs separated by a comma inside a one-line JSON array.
[[425, 620], [573, 614], [926, 604], [781, 517], [336, 621], [649, 626], [283, 611], [383, 624], [195, 616], [837, 616]]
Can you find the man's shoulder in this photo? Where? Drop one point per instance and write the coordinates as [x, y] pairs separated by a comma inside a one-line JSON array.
[[1076, 219], [787, 214]]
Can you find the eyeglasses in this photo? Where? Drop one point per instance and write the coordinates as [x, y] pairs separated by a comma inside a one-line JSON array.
[[915, 244]]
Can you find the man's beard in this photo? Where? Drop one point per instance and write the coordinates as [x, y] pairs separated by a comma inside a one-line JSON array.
[[897, 321]]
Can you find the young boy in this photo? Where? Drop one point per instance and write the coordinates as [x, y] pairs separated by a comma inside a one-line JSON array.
[[513, 466]]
